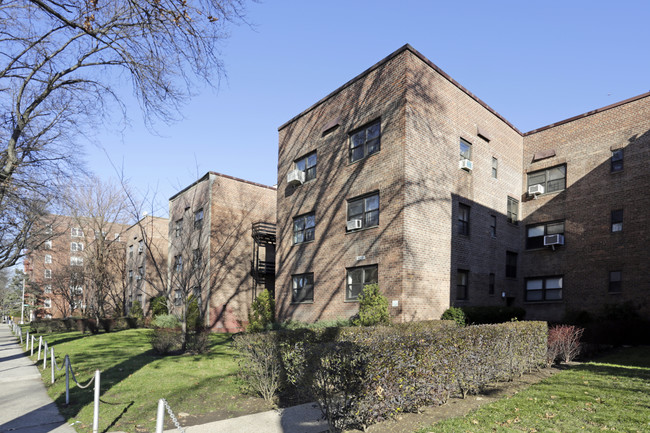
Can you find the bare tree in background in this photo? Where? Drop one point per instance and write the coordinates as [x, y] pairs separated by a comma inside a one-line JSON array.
[[62, 66]]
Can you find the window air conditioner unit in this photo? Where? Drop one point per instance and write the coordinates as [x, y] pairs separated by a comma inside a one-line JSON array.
[[535, 190], [354, 224], [553, 240], [296, 177], [466, 164]]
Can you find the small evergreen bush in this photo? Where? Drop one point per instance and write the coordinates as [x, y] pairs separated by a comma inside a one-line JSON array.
[[455, 314], [159, 306], [166, 321], [262, 312], [166, 335], [373, 307], [136, 310]]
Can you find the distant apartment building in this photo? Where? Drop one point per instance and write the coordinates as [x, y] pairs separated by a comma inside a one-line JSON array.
[[146, 260], [221, 247], [60, 267], [404, 178]]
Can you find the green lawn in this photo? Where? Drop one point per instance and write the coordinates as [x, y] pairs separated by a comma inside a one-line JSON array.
[[611, 394], [133, 378]]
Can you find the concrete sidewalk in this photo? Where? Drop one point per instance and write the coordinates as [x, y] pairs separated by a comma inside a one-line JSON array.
[[25, 406]]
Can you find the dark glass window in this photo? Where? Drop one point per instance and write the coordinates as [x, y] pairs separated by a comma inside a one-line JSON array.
[[308, 165], [357, 278], [462, 283], [615, 280], [303, 228], [465, 150], [544, 289], [179, 228], [198, 219], [302, 288], [493, 226], [513, 210], [364, 209], [463, 219], [365, 141], [495, 167], [535, 233], [511, 264], [617, 220], [617, 160], [552, 179]]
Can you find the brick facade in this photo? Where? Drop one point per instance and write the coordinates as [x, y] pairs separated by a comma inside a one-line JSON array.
[[418, 245]]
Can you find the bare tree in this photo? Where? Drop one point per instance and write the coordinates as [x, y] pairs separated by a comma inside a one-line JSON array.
[[61, 71], [67, 288]]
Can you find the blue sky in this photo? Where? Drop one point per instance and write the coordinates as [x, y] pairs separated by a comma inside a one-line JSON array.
[[533, 62]]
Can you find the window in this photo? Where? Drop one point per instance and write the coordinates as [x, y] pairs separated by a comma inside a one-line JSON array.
[[495, 167], [117, 237], [100, 235], [617, 160], [303, 228], [48, 316], [365, 142], [48, 229], [535, 233], [76, 232], [511, 264], [491, 285], [140, 272], [513, 210], [198, 219], [130, 275], [140, 246], [357, 278], [178, 263], [552, 179], [615, 280], [463, 219], [178, 231], [462, 280], [76, 290], [76, 261], [493, 226], [48, 258], [131, 251], [48, 273], [465, 150], [365, 210], [617, 220], [47, 303], [76, 246], [48, 288], [303, 288], [308, 165], [196, 259], [544, 289], [47, 245], [178, 297]]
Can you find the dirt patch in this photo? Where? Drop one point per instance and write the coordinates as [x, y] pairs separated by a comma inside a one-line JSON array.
[[457, 407], [236, 407]]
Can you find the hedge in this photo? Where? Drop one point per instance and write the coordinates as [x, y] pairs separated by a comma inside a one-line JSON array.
[[360, 376], [84, 325]]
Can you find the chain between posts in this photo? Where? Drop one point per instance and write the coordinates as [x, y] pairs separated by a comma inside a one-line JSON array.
[[172, 416]]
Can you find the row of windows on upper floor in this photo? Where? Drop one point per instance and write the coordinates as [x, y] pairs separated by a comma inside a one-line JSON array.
[[74, 290], [198, 223], [536, 289]]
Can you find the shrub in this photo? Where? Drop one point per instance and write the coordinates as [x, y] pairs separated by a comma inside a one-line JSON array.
[[166, 321], [193, 314], [262, 312], [159, 306], [373, 307], [492, 314], [198, 341], [563, 343], [454, 313], [166, 340], [260, 367], [136, 310]]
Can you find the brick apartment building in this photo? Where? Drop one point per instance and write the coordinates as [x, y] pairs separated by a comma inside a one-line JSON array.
[[146, 260], [56, 270], [212, 247], [403, 177]]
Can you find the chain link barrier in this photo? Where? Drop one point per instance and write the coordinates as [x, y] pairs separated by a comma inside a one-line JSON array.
[[172, 416]]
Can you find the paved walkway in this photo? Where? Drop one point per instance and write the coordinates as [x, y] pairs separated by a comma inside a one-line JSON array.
[[25, 406]]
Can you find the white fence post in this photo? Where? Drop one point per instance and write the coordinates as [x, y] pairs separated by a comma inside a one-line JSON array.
[[66, 361], [160, 416], [45, 357], [40, 342], [96, 408], [27, 341], [32, 352], [20, 332], [52, 362]]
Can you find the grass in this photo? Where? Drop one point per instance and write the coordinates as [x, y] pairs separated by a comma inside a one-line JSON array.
[[134, 377], [610, 394]]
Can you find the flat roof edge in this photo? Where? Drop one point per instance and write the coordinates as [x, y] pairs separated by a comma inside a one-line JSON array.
[[207, 175]]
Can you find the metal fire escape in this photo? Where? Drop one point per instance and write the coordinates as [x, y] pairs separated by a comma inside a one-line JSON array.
[[263, 263]]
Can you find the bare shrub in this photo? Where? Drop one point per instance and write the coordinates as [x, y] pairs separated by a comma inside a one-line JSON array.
[[259, 365], [563, 343]]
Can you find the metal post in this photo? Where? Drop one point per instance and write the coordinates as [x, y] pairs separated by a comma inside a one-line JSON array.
[[20, 332], [32, 352], [27, 341], [52, 362], [45, 357], [40, 342], [66, 361], [22, 305], [160, 417], [96, 409]]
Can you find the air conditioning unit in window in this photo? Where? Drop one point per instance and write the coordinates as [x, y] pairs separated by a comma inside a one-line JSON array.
[[553, 240], [466, 164], [296, 177], [535, 190], [354, 224]]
